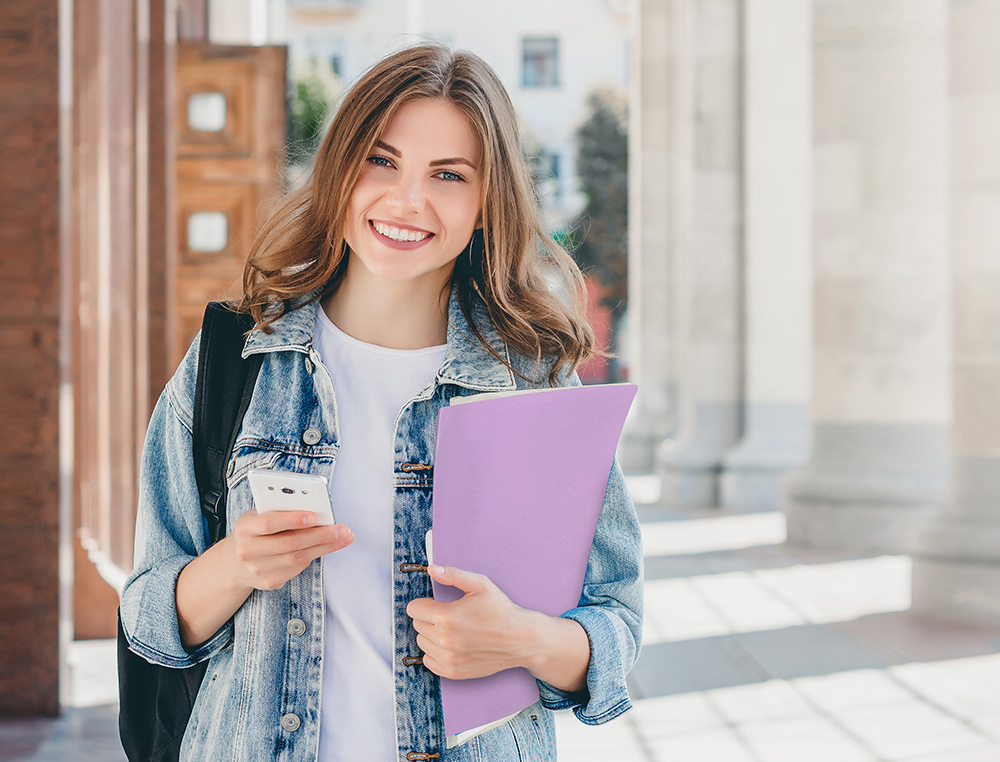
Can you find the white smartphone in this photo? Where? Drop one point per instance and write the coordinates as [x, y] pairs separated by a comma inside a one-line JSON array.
[[289, 491]]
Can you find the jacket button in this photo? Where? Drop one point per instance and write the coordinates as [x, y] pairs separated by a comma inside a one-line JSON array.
[[290, 722], [309, 366], [311, 436], [296, 627]]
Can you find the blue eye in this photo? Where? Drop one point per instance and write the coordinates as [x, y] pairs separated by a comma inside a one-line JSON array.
[[379, 161], [451, 177]]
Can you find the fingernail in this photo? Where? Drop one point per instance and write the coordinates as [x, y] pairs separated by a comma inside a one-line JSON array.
[[309, 519], [435, 569], [343, 533]]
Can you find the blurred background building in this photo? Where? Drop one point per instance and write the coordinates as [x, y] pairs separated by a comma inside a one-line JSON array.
[[812, 199]]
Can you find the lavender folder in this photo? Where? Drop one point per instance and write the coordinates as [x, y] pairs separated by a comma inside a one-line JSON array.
[[519, 482]]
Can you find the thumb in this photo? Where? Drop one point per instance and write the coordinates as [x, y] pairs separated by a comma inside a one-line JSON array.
[[466, 581]]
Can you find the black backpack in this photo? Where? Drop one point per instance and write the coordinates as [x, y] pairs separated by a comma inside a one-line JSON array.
[[155, 701]]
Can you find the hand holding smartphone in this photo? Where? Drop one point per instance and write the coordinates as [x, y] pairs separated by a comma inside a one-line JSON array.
[[289, 491]]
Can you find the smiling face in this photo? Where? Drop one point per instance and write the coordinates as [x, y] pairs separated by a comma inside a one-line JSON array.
[[417, 200]]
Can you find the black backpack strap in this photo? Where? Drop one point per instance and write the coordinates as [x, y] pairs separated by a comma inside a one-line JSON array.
[[222, 394], [155, 701]]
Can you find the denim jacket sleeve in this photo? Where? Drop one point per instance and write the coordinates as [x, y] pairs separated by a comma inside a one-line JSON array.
[[170, 531], [610, 609]]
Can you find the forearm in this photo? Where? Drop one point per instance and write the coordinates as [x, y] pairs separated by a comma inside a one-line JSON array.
[[557, 651], [207, 596]]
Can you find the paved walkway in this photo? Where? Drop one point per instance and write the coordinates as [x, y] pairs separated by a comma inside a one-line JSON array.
[[753, 652]]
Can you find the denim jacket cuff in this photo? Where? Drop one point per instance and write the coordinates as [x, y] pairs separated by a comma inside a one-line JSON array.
[[606, 696], [158, 603]]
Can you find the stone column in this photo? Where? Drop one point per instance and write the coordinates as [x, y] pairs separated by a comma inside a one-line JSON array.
[[659, 162], [956, 556], [881, 382], [707, 272], [778, 245]]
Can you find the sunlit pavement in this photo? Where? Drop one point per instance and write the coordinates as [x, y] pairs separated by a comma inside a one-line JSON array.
[[757, 652], [753, 652], [88, 728]]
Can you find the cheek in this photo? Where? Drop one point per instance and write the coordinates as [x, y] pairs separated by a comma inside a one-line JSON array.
[[468, 212], [366, 192]]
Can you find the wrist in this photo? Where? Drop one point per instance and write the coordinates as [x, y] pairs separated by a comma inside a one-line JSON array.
[[556, 650], [532, 641], [207, 595], [233, 584]]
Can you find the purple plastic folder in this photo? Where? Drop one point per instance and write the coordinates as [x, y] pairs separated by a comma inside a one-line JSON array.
[[519, 482]]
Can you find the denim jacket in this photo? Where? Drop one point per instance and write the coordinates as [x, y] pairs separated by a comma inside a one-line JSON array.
[[260, 699]]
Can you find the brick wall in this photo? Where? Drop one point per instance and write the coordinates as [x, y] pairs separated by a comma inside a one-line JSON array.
[[29, 348]]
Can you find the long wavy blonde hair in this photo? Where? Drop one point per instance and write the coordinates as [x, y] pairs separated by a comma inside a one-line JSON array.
[[531, 288]]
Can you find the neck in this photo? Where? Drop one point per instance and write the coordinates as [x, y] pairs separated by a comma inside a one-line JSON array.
[[396, 315]]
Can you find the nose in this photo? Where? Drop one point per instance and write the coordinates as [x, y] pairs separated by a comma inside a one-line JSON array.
[[406, 195]]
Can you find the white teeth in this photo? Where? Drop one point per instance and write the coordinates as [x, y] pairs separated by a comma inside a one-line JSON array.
[[399, 235]]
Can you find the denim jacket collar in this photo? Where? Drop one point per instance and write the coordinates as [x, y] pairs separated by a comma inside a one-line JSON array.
[[467, 362]]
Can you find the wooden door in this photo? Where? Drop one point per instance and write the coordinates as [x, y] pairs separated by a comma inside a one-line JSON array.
[[231, 125]]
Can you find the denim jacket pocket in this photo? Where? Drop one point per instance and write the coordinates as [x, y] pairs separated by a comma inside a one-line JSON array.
[[214, 701], [531, 733], [271, 456], [246, 459], [534, 733]]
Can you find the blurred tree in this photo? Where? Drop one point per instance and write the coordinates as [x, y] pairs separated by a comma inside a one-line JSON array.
[[313, 92], [602, 230]]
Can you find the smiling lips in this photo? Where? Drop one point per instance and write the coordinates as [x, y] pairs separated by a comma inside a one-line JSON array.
[[399, 238]]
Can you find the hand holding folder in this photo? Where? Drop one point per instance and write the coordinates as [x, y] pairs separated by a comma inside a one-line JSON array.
[[519, 482]]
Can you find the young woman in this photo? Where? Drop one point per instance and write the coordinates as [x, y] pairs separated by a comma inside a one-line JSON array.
[[411, 269]]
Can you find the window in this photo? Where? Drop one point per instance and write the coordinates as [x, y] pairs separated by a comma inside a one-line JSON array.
[[541, 62], [206, 112], [207, 232]]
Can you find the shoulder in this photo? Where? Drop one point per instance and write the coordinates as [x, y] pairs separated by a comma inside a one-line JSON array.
[[529, 370], [530, 373]]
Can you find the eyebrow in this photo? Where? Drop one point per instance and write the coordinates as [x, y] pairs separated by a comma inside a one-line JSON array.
[[436, 163]]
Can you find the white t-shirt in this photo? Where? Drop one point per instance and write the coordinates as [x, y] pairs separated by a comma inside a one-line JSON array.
[[372, 384]]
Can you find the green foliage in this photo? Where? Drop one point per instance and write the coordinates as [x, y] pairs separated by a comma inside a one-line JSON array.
[[314, 90], [567, 239], [602, 168]]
